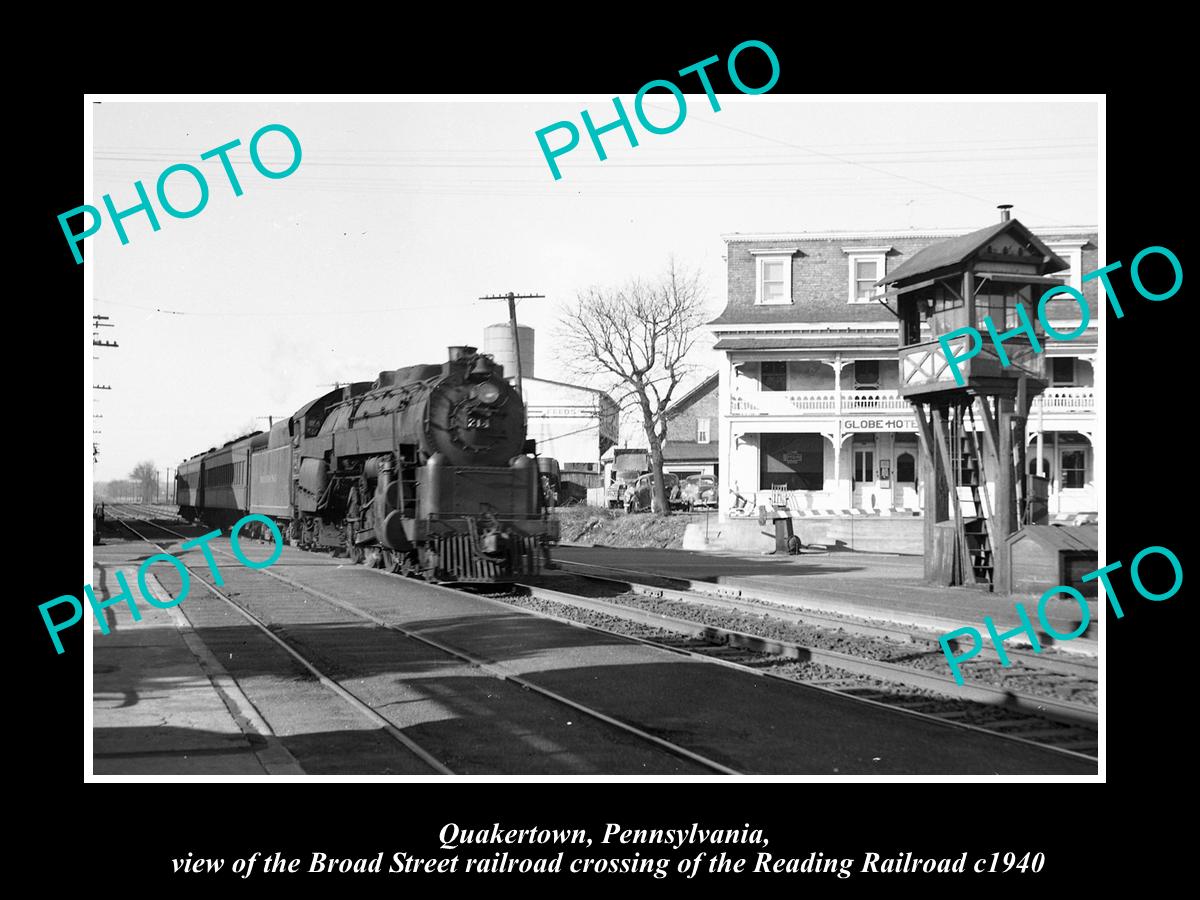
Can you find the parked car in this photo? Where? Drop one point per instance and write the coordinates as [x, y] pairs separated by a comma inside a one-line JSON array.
[[699, 490], [617, 489], [640, 497]]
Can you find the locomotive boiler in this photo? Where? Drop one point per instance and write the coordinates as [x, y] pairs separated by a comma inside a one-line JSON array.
[[425, 471]]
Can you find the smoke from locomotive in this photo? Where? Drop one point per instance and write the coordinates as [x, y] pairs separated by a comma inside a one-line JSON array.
[[425, 471]]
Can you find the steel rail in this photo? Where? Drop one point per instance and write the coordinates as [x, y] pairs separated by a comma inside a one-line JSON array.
[[491, 666], [1071, 714], [712, 594], [350, 698]]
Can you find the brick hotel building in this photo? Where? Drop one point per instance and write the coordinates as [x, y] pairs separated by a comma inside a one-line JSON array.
[[808, 400]]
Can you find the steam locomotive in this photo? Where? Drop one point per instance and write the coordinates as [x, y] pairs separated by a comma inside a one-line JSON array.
[[425, 471]]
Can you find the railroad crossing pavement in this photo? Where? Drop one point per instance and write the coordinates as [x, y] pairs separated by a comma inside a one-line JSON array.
[[162, 704], [864, 585], [747, 722]]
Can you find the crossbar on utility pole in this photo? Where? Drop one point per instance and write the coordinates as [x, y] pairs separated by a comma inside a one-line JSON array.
[[512, 318]]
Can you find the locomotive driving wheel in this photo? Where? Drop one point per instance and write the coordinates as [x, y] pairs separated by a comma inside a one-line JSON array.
[[391, 560]]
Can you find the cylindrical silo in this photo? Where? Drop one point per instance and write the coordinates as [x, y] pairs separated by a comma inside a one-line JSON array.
[[498, 341]]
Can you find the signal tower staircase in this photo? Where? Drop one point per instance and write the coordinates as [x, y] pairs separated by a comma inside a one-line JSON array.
[[975, 540]]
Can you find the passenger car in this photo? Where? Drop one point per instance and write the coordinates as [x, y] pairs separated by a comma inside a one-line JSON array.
[[640, 496], [699, 490]]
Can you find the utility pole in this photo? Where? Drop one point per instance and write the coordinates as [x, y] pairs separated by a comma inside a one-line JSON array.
[[99, 322], [512, 318]]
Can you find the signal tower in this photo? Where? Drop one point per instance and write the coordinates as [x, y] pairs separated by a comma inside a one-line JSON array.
[[972, 435]]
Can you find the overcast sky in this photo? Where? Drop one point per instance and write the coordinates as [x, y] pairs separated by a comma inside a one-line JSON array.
[[372, 254]]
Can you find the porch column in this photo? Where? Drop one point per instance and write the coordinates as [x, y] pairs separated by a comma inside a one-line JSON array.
[[726, 383], [1058, 479], [837, 383], [836, 440], [846, 497]]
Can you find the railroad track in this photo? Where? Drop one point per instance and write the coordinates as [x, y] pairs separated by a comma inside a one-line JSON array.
[[736, 599], [329, 683], [495, 669], [1007, 714], [999, 713]]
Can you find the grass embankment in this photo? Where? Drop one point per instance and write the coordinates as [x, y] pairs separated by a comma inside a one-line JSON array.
[[615, 528]]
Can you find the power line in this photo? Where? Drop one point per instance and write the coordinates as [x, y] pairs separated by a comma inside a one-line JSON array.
[[569, 433], [850, 162], [447, 157], [287, 315], [1024, 138]]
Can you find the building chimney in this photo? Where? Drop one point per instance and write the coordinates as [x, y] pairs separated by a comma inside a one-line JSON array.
[[1004, 211]]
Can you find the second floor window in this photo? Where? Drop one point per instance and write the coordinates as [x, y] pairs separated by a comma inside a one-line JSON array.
[[867, 266], [1062, 371], [866, 273], [866, 375], [1070, 252], [774, 376], [702, 431], [774, 280]]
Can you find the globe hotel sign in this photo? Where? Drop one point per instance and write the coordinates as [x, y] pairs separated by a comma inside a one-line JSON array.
[[880, 423]]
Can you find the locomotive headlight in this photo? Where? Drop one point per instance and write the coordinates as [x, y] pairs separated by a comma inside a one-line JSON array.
[[488, 392]]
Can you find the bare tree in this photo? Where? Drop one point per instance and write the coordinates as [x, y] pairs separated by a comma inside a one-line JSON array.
[[114, 490], [637, 338], [145, 476]]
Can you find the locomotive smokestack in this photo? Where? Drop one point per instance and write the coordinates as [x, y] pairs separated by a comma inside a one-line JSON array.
[[457, 353], [1004, 211]]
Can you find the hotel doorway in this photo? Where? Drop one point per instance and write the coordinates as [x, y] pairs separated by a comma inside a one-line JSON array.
[[906, 494], [863, 456]]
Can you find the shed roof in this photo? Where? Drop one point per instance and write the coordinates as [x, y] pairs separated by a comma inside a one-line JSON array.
[[1060, 537], [954, 251]]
